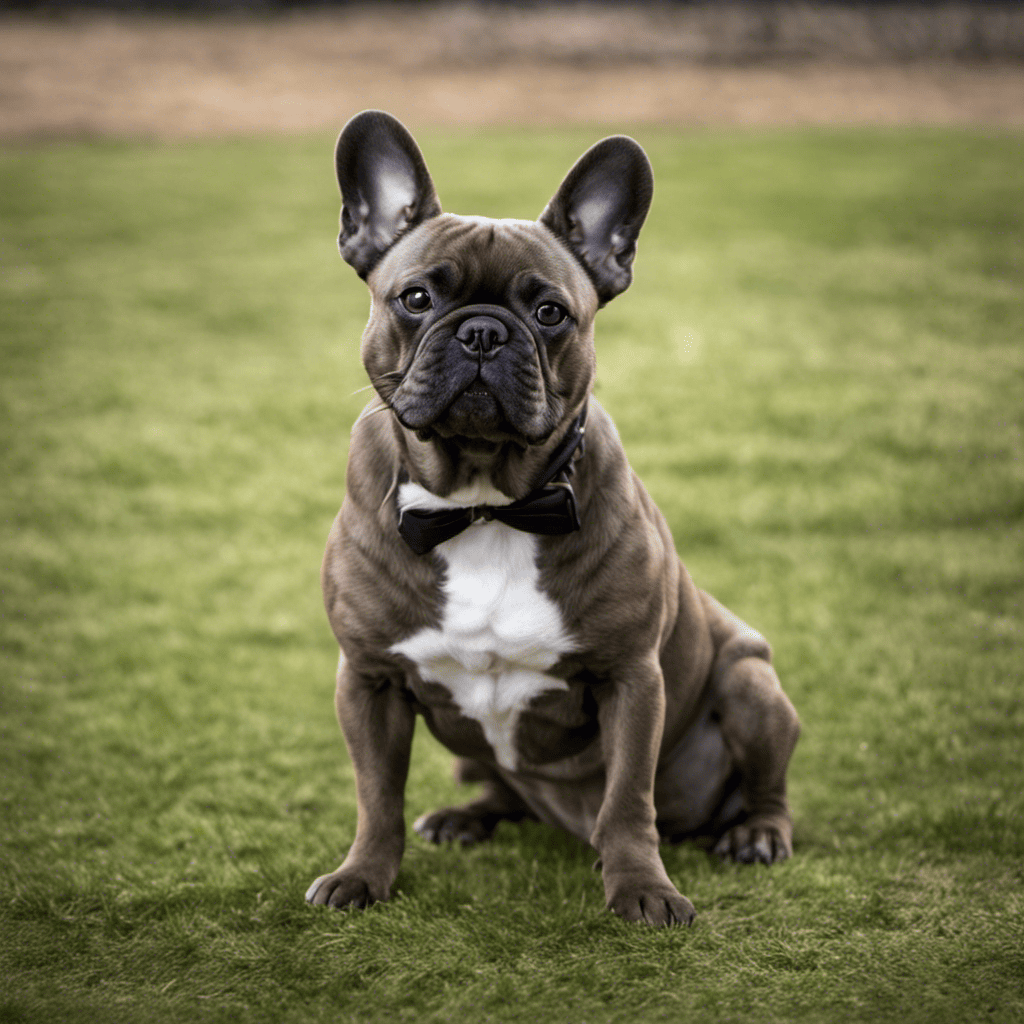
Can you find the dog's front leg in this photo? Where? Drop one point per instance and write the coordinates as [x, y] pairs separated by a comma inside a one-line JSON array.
[[631, 711], [377, 722]]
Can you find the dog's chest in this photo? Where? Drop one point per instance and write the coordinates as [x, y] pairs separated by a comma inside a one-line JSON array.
[[499, 634]]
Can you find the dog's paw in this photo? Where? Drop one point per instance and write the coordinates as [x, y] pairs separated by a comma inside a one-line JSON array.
[[754, 844], [456, 825], [345, 889], [658, 905]]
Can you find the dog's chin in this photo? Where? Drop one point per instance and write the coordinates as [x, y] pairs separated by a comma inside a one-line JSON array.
[[475, 413]]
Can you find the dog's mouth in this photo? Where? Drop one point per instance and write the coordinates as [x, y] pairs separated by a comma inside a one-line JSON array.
[[475, 415], [477, 412]]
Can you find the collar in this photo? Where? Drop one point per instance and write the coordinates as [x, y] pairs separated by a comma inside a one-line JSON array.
[[548, 510]]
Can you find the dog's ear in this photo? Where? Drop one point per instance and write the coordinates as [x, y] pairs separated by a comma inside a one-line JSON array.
[[599, 209], [385, 187]]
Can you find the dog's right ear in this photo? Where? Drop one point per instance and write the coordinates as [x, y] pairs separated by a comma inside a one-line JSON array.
[[385, 187]]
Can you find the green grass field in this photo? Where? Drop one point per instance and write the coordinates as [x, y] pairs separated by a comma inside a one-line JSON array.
[[819, 373]]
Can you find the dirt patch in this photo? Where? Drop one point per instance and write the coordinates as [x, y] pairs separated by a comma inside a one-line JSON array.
[[464, 65]]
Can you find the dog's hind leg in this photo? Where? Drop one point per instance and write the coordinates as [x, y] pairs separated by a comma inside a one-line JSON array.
[[760, 729], [476, 821]]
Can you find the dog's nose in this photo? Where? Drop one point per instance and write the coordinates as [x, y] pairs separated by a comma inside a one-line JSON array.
[[481, 334]]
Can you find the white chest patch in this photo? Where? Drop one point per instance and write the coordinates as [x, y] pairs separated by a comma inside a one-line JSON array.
[[499, 633]]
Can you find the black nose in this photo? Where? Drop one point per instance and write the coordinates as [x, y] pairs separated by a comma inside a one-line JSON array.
[[481, 334]]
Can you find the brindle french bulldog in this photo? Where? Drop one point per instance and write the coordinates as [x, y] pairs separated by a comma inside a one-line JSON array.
[[516, 586]]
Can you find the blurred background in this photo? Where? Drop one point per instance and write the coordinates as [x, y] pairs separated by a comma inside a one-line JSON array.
[[172, 69], [818, 374]]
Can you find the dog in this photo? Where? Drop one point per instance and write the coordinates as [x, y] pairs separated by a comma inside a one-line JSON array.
[[497, 568]]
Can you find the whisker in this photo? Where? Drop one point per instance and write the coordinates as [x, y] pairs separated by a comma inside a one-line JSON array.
[[373, 410], [392, 491]]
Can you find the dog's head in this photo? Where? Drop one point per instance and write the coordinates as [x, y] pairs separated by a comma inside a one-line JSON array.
[[480, 335]]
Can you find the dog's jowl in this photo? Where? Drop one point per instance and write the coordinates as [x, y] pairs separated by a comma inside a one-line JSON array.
[[497, 567]]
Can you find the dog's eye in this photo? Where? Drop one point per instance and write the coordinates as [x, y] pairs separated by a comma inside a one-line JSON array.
[[549, 314], [416, 300]]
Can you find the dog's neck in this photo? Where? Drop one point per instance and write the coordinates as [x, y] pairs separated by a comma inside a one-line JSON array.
[[444, 465]]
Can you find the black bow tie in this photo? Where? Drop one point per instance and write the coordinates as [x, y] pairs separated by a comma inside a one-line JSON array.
[[549, 509]]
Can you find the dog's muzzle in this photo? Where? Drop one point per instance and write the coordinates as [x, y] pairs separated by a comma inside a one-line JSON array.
[[477, 373]]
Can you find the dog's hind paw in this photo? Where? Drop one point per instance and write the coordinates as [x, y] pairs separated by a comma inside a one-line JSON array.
[[754, 844], [462, 825]]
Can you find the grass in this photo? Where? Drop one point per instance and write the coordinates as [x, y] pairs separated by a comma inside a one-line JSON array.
[[820, 375]]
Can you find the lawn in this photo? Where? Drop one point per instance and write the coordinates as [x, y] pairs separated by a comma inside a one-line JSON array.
[[819, 373]]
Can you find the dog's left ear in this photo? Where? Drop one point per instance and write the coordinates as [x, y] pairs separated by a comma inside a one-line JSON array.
[[599, 209], [386, 188]]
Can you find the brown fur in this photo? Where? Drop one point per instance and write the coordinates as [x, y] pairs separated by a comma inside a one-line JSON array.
[[673, 722]]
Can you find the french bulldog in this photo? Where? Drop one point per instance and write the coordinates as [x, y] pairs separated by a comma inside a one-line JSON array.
[[497, 568]]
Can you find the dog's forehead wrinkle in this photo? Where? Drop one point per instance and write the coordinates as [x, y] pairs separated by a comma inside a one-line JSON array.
[[531, 286], [446, 274], [512, 256]]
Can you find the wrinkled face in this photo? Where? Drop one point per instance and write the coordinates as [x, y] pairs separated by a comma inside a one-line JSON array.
[[480, 330]]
